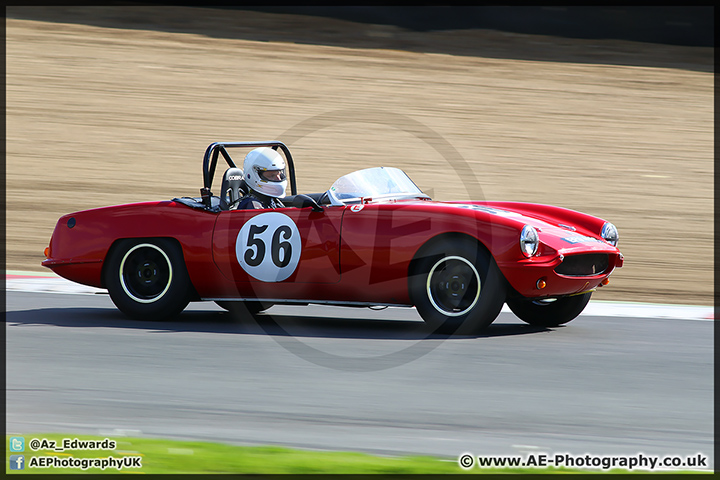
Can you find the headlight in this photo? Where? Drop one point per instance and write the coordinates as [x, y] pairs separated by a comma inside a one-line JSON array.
[[610, 234], [529, 241]]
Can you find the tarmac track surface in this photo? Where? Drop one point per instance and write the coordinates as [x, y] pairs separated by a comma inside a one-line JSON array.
[[354, 379]]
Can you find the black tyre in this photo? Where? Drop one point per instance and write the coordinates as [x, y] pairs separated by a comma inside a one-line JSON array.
[[549, 313], [147, 278], [457, 287], [242, 309]]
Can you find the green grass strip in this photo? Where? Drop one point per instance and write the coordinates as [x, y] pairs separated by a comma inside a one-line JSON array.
[[160, 456]]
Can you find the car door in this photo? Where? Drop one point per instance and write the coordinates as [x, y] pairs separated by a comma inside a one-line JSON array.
[[285, 246]]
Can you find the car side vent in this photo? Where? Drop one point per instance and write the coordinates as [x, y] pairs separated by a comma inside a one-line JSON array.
[[583, 265]]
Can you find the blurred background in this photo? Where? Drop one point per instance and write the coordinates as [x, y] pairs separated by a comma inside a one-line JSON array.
[[693, 26], [606, 110]]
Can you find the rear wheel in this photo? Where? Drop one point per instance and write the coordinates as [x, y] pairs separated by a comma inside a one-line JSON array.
[[457, 287], [147, 278], [548, 312]]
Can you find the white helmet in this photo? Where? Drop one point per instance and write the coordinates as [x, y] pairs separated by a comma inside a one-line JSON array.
[[265, 172]]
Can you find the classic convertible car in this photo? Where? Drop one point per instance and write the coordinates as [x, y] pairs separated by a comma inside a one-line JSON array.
[[372, 239]]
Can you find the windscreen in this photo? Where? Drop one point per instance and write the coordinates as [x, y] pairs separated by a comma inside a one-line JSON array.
[[378, 182]]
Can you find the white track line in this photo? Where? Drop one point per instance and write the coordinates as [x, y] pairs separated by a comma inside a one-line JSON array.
[[16, 281], [649, 310], [45, 283]]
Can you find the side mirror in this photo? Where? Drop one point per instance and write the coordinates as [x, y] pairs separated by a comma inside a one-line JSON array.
[[301, 201]]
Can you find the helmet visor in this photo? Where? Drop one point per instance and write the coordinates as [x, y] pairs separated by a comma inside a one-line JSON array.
[[271, 175]]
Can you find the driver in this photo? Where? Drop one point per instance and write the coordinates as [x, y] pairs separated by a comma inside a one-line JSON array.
[[264, 171]]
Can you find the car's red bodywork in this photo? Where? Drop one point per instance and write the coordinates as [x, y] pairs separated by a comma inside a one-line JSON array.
[[349, 253]]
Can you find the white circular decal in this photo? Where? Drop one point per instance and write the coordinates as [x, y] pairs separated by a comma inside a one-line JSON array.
[[268, 247]]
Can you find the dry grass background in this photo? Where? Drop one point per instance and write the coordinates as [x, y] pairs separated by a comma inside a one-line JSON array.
[[105, 107]]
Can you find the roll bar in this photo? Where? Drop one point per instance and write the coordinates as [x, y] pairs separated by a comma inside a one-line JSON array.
[[215, 149]]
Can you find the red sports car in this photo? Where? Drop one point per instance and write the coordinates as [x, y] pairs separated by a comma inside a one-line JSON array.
[[372, 239]]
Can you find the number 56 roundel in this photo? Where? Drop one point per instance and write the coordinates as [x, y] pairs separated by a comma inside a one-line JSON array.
[[268, 247]]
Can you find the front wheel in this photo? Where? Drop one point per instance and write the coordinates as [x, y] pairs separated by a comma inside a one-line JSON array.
[[457, 287], [147, 278], [549, 312]]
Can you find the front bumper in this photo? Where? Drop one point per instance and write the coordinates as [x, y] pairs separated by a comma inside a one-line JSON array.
[[539, 278]]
